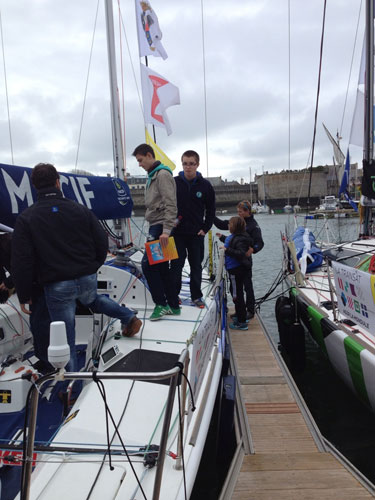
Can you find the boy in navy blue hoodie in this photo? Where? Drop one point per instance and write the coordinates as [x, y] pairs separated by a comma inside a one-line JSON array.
[[196, 211]]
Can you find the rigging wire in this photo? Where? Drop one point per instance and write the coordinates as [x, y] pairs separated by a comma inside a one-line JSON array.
[[317, 103], [204, 83], [351, 67], [132, 67], [6, 88], [86, 86]]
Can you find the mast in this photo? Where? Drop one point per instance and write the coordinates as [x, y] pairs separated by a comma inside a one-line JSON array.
[[251, 191], [264, 188], [368, 141], [118, 151], [369, 83]]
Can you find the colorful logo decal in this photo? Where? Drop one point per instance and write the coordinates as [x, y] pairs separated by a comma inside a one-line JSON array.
[[5, 397], [122, 196], [347, 300]]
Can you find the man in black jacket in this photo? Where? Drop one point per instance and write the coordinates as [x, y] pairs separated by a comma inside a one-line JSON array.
[[62, 244], [254, 231], [195, 211]]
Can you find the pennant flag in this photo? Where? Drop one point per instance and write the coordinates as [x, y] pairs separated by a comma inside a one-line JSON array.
[[339, 155], [149, 34], [159, 153], [345, 183], [158, 95], [107, 197]]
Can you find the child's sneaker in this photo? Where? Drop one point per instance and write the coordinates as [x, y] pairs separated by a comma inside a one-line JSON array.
[[159, 312], [238, 326], [199, 303], [235, 320]]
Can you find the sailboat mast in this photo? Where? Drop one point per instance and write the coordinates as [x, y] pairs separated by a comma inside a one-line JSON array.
[[264, 187], [366, 225], [369, 83], [118, 152]]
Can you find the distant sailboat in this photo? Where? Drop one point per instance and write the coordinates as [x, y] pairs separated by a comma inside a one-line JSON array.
[[288, 209], [262, 208]]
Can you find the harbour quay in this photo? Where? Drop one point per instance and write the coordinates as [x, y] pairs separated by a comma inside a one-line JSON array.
[[276, 188]]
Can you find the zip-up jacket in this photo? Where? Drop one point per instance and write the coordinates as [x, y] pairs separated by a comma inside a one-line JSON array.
[[195, 204], [252, 229], [56, 239], [160, 197], [236, 246]]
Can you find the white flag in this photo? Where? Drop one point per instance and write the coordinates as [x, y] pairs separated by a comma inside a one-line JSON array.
[[149, 33], [158, 95]]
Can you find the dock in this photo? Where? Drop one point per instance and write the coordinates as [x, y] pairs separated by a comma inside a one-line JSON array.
[[281, 452]]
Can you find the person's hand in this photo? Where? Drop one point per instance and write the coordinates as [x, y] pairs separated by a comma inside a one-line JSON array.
[[2, 286], [249, 252], [219, 235], [201, 233], [24, 308], [163, 238]]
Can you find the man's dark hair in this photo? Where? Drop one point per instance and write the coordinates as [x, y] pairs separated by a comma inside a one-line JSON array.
[[143, 149], [191, 153], [44, 175]]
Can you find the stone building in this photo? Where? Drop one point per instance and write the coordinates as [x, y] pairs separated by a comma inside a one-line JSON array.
[[292, 186]]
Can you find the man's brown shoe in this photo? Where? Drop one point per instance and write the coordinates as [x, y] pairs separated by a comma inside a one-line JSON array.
[[132, 328]]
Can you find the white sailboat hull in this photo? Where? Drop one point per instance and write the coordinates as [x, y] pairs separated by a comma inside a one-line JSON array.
[[349, 345]]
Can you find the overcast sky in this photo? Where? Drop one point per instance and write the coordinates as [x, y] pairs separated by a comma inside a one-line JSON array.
[[47, 48]]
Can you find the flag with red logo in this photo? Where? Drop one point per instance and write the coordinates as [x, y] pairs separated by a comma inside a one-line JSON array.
[[158, 95]]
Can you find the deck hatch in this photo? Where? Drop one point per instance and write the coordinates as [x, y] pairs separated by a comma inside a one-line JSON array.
[[143, 360]]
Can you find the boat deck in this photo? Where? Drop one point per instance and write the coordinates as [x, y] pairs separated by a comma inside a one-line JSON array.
[[285, 461]]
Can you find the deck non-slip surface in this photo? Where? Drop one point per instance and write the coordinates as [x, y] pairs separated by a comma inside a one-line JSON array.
[[287, 463]]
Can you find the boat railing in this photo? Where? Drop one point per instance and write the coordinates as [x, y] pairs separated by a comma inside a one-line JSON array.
[[173, 374]]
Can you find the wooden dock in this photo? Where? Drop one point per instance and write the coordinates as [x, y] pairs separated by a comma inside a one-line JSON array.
[[283, 454]]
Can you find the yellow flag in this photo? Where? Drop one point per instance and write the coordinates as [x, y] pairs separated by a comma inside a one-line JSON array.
[[159, 153]]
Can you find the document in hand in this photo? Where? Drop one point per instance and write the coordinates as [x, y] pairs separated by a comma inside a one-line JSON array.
[[156, 254]]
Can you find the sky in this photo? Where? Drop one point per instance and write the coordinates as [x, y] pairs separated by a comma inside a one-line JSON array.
[[234, 94]]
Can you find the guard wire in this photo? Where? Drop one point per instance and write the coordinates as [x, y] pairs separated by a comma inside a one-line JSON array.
[[180, 416], [102, 392]]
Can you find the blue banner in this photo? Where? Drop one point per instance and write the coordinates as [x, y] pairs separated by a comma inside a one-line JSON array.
[[107, 197]]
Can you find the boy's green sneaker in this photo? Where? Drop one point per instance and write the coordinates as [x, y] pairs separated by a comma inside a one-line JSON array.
[[159, 312], [175, 311]]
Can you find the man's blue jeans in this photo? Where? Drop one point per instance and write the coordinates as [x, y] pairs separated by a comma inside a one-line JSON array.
[[61, 299], [159, 277]]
